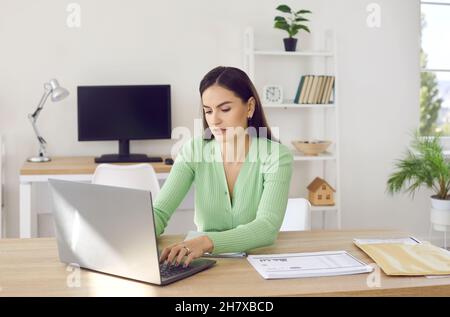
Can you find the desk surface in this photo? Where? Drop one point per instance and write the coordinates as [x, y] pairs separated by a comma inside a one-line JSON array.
[[74, 165], [30, 267]]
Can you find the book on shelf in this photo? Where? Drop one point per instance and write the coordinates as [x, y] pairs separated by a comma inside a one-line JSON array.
[[322, 89], [319, 89], [299, 89], [315, 89], [307, 86], [325, 88], [331, 90]]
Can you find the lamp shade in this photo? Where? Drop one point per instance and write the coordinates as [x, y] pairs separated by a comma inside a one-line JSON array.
[[58, 92]]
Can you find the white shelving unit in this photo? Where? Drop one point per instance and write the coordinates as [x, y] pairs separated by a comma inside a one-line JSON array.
[[328, 56]]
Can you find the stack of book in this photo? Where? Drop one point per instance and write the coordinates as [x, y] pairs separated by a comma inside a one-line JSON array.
[[315, 89]]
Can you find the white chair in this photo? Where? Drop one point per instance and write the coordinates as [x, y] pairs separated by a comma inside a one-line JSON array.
[[298, 215], [138, 176]]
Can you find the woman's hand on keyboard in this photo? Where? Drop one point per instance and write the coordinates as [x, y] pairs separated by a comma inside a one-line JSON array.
[[191, 249]]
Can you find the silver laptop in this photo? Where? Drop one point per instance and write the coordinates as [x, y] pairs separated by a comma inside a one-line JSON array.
[[112, 230]]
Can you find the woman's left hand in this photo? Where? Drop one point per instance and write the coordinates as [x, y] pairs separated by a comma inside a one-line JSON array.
[[192, 249]]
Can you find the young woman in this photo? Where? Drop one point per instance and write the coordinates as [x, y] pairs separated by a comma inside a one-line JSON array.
[[241, 174]]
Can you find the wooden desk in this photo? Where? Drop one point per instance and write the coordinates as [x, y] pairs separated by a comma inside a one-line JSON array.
[[30, 267], [79, 168]]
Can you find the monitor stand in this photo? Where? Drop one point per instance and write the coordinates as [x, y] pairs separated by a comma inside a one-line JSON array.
[[124, 156]]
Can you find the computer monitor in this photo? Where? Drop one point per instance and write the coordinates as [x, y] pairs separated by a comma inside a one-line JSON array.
[[124, 113]]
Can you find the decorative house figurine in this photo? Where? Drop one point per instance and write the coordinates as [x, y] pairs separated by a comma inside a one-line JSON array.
[[321, 193]]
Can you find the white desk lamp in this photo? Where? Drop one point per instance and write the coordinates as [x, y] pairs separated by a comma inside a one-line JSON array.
[[57, 93]]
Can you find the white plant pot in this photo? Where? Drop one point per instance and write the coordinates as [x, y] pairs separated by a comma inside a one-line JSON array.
[[440, 214]]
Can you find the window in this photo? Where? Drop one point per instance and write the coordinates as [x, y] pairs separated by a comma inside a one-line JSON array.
[[435, 68], [323, 187], [328, 196], [319, 197]]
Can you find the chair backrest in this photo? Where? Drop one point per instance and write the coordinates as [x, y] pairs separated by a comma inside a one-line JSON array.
[[298, 215], [138, 176]]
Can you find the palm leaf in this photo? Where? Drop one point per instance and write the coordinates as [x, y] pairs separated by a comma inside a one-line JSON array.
[[423, 165]]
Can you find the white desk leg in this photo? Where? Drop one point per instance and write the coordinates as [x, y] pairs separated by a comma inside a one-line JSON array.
[[25, 210]]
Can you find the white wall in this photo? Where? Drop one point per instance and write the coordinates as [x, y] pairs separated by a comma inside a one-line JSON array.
[[177, 42]]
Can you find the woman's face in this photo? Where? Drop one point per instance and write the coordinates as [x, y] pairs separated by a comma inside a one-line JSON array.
[[225, 113]]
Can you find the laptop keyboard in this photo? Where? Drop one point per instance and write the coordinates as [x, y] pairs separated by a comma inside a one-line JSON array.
[[172, 270]]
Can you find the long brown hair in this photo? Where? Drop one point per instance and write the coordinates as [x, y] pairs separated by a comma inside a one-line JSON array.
[[238, 82]]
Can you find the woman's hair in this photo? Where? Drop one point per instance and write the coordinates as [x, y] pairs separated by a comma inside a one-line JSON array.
[[240, 84]]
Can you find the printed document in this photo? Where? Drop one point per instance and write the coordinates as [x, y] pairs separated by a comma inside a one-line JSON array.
[[294, 265]]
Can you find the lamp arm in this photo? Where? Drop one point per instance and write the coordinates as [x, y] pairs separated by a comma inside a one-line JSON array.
[[40, 106], [36, 131], [42, 142], [33, 118]]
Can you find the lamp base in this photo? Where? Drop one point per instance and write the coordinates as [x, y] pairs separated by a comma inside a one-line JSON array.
[[39, 159]]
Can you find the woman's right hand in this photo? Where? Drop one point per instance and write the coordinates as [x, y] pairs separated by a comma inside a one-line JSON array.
[[191, 249]]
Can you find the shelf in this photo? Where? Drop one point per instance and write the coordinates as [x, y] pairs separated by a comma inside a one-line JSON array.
[[298, 105], [323, 208], [326, 156], [297, 53], [326, 57]]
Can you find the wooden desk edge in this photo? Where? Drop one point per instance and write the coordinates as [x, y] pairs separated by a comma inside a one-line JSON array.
[[74, 165]]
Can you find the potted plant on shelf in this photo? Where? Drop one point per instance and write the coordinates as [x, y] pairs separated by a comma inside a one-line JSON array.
[[292, 24], [425, 165]]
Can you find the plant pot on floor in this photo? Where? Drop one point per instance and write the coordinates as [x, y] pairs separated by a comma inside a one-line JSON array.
[[440, 214], [290, 44]]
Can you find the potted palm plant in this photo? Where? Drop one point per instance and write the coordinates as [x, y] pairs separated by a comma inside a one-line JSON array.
[[291, 24], [425, 166]]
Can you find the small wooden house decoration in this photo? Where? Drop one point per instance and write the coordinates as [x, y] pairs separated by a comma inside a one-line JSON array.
[[321, 193]]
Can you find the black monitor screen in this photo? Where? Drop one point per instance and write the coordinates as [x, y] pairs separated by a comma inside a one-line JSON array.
[[124, 112]]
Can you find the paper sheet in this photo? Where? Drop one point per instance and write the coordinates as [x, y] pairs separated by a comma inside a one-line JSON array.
[[294, 265]]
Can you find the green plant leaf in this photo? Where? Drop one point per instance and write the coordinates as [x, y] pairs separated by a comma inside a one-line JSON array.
[[278, 18], [284, 8], [303, 27], [282, 25], [300, 19], [423, 165], [303, 12]]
